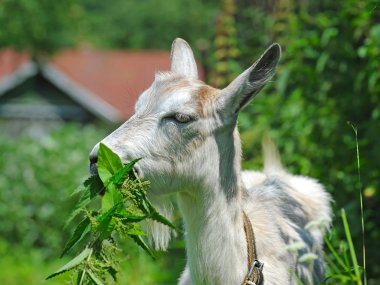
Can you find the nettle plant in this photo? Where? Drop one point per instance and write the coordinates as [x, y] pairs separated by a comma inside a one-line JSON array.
[[123, 205]]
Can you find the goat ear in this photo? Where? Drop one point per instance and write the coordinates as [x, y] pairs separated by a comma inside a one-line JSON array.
[[182, 59], [248, 84]]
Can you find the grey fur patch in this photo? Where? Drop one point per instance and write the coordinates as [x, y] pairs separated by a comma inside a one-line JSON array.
[[277, 198]]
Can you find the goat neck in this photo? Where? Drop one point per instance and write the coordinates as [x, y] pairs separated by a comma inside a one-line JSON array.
[[216, 245]]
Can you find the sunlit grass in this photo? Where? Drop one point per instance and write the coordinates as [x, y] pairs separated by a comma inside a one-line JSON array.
[[342, 262], [28, 266], [341, 257], [25, 266]]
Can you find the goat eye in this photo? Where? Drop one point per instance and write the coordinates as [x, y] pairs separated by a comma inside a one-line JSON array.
[[182, 118]]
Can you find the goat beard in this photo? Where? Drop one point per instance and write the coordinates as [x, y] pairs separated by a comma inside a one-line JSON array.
[[159, 234]]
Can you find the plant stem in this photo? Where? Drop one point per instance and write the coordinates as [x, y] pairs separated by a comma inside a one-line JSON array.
[[336, 255], [351, 248], [85, 268], [361, 201]]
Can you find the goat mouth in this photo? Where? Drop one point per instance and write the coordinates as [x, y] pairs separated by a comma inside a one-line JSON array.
[[94, 168], [136, 174], [137, 171]]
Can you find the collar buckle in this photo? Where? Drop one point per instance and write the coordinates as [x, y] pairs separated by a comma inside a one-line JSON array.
[[255, 272]]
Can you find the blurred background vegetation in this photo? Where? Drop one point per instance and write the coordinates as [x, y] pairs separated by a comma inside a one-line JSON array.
[[329, 74]]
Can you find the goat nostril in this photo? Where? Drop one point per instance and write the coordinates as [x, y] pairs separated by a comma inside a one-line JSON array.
[[93, 158], [93, 163]]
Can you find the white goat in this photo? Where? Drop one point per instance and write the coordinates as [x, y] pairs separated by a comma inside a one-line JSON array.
[[186, 133]]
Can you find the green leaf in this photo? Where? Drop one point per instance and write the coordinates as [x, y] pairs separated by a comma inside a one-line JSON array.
[[136, 230], [144, 206], [126, 217], [94, 278], [121, 174], [321, 62], [72, 263], [282, 82], [342, 277], [89, 189], [108, 213], [335, 254], [294, 275], [112, 194], [106, 224], [139, 240], [93, 183], [112, 271], [327, 35], [141, 200], [351, 246], [79, 277], [81, 230], [111, 197], [156, 216], [147, 207], [108, 163]]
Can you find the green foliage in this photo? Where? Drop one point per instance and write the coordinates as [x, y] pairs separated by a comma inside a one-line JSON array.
[[147, 24], [225, 67], [29, 266], [43, 27], [123, 204], [36, 177], [20, 265], [40, 27], [342, 259], [328, 75]]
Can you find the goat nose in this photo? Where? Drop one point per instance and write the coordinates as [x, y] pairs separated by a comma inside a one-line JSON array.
[[94, 160], [93, 157], [94, 154]]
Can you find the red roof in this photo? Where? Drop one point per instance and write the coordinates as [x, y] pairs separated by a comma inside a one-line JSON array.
[[11, 61], [117, 77]]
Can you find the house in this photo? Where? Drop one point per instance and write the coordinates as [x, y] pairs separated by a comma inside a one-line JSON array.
[[81, 85]]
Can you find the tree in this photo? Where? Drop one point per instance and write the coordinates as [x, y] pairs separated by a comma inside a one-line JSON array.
[[40, 27], [329, 74]]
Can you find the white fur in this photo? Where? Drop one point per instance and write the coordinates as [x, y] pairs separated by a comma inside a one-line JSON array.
[[200, 161]]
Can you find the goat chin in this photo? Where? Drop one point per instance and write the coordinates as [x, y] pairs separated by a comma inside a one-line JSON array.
[[159, 234]]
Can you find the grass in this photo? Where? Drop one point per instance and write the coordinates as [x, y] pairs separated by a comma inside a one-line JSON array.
[[343, 264], [28, 266], [355, 129], [25, 266]]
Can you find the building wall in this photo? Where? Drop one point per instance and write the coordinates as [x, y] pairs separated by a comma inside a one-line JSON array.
[[36, 105]]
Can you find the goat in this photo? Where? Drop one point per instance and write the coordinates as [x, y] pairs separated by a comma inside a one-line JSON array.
[[186, 132]]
